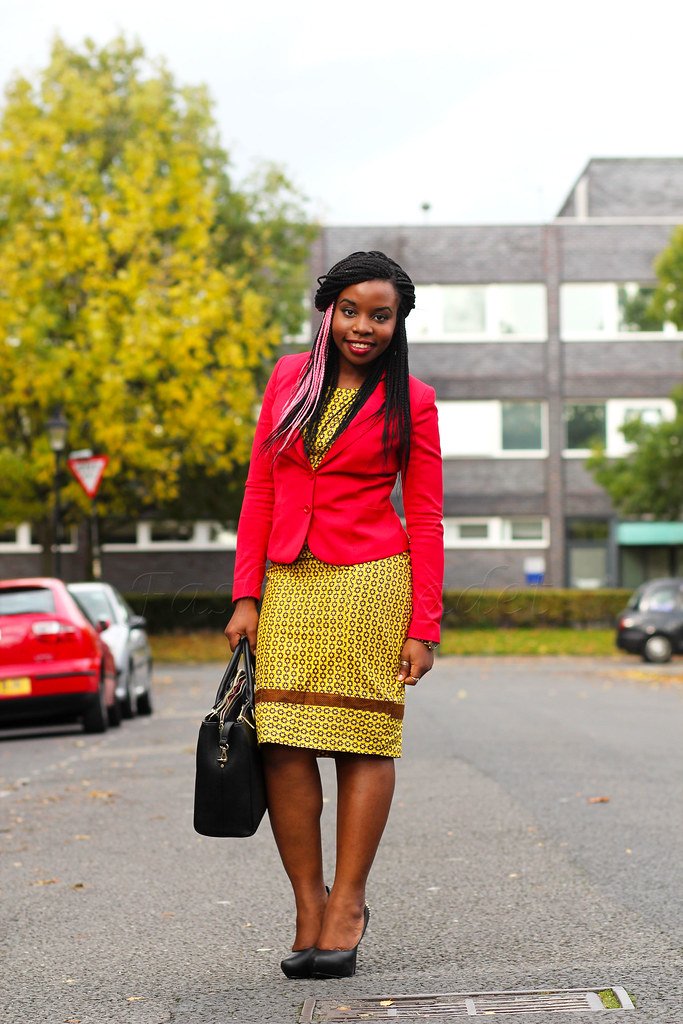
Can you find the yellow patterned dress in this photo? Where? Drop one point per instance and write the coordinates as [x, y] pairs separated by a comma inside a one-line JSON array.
[[329, 642]]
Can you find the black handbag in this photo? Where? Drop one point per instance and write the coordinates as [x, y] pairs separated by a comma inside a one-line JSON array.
[[230, 792]]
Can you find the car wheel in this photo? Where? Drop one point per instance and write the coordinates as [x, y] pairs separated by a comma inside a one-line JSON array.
[[145, 699], [657, 649], [95, 718], [128, 702], [115, 714]]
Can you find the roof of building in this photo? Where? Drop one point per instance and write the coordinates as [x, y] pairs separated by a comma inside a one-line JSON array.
[[627, 187]]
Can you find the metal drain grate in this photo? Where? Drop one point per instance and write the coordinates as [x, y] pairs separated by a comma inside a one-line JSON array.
[[459, 1004]]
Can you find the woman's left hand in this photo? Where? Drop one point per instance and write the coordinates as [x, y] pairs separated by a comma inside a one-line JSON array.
[[416, 659]]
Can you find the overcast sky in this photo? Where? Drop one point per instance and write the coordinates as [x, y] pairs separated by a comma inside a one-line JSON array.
[[486, 110]]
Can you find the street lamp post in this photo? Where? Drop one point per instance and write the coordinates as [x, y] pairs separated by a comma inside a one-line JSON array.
[[57, 427]]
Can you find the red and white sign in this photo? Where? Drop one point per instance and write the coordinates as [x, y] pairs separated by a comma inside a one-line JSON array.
[[89, 472]]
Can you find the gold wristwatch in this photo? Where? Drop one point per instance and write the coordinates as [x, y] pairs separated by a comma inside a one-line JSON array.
[[429, 644]]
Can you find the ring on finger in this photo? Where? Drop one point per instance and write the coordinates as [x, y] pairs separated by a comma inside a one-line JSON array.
[[406, 664]]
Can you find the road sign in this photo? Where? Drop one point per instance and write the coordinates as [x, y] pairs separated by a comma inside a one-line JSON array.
[[89, 472]]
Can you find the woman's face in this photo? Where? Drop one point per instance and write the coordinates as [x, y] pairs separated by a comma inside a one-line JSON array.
[[363, 324]]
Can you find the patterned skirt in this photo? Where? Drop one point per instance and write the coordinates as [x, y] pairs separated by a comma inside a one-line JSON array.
[[327, 655]]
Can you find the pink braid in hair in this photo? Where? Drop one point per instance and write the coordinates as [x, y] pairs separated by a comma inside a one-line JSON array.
[[310, 382]]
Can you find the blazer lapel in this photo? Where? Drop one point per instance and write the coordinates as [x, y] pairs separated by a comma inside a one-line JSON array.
[[358, 426]]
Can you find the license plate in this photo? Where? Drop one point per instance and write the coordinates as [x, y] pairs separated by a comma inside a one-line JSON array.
[[18, 687]]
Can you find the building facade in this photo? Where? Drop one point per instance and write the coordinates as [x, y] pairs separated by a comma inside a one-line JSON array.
[[529, 336]]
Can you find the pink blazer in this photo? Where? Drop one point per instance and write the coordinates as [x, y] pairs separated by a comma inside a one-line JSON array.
[[342, 509]]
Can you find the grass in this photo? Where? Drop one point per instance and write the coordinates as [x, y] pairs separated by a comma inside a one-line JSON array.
[[212, 646], [529, 641], [609, 1000]]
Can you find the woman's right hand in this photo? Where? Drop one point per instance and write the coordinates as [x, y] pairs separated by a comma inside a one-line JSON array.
[[244, 622]]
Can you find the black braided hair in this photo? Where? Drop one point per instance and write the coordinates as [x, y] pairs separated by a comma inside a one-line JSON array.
[[354, 269]]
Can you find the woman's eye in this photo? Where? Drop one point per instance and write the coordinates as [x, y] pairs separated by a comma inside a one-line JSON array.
[[381, 318], [347, 311]]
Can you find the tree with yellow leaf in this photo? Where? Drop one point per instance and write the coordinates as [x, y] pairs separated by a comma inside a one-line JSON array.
[[139, 290]]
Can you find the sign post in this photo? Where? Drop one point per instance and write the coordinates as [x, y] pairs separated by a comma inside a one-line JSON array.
[[89, 469]]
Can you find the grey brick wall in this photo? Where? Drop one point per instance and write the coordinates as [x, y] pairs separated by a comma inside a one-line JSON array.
[[610, 252], [475, 487], [494, 370], [492, 568], [169, 571], [621, 369], [438, 255], [583, 496]]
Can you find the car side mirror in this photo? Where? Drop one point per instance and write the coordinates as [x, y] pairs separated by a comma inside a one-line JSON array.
[[102, 624], [138, 622]]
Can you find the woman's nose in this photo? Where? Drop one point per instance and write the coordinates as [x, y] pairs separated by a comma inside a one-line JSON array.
[[362, 326]]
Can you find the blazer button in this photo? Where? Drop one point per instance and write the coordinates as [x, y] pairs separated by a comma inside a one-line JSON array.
[[307, 509]]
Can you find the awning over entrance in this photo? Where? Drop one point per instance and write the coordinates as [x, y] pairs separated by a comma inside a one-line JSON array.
[[646, 534]]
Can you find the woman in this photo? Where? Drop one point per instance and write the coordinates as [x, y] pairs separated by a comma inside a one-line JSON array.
[[352, 606]]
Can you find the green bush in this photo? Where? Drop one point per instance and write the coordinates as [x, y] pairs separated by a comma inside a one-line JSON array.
[[531, 606], [183, 612]]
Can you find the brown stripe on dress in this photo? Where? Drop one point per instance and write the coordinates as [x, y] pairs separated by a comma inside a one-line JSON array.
[[330, 700]]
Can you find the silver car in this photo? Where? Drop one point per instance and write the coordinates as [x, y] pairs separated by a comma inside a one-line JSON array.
[[126, 638]]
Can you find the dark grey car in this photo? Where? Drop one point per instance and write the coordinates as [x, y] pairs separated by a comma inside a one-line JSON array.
[[652, 622], [126, 637]]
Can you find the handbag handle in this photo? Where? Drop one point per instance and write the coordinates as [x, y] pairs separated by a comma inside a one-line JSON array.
[[242, 650]]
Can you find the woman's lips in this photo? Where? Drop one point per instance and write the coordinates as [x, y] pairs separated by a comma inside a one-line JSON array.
[[360, 348]]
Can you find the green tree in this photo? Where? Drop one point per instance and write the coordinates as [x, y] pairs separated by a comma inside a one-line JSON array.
[[649, 480], [667, 300], [140, 289]]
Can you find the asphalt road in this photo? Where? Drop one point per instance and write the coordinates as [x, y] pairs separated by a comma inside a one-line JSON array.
[[499, 870]]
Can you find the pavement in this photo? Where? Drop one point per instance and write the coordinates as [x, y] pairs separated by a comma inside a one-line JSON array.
[[535, 842]]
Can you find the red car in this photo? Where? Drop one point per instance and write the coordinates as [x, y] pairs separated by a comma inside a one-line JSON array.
[[53, 662]]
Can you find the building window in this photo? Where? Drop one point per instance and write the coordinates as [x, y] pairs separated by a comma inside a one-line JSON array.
[[608, 310], [479, 312], [167, 535], [585, 425], [473, 531], [497, 532], [171, 530], [526, 529], [521, 426], [587, 558], [17, 538], [491, 429], [112, 532], [599, 423]]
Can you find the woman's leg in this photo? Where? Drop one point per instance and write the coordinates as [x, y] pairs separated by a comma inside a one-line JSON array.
[[365, 790], [295, 803]]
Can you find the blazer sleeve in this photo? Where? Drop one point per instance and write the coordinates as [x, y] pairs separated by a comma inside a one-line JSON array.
[[423, 508], [256, 517]]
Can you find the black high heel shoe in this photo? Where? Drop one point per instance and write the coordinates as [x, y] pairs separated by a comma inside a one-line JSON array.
[[298, 963], [337, 963]]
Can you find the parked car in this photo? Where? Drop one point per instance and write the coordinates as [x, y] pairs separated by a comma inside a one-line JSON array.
[[652, 622], [54, 664], [126, 635]]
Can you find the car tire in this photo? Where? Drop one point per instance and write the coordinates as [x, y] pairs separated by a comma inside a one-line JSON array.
[[144, 703], [95, 717], [128, 704], [658, 649], [115, 714]]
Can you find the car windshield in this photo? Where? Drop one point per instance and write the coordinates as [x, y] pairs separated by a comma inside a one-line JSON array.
[[94, 603], [26, 601], [662, 599]]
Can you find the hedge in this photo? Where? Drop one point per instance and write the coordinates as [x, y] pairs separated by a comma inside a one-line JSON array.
[[529, 606], [532, 606]]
